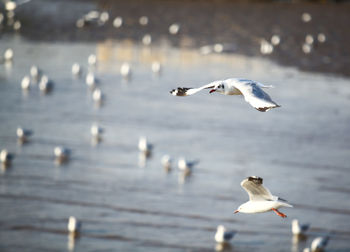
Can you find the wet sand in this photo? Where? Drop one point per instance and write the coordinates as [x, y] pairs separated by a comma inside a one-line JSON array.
[[238, 23]]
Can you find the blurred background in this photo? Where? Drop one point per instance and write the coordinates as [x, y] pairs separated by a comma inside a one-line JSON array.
[[82, 82]]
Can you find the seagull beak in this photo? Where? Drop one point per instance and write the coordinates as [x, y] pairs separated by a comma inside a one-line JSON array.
[[236, 211], [211, 91]]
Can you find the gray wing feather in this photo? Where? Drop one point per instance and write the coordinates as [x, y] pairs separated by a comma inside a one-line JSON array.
[[255, 96], [255, 189]]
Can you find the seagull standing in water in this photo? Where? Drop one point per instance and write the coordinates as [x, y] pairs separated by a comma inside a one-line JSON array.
[[260, 198], [186, 166], [23, 134], [299, 229], [251, 90], [319, 244], [222, 235]]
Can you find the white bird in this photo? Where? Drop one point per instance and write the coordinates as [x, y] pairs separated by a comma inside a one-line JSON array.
[[6, 157], [104, 17], [251, 90], [45, 84], [147, 39], [76, 69], [35, 73], [260, 198], [92, 59], [118, 22], [143, 20], [166, 162], [91, 80], [145, 146], [125, 70], [74, 226], [185, 165], [17, 25], [97, 95], [25, 83], [156, 67], [96, 131], [222, 235], [174, 28], [8, 55], [319, 244], [299, 229], [61, 154], [23, 134]]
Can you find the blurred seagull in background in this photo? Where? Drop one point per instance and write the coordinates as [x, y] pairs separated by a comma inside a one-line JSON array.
[[8, 55], [92, 60], [25, 83], [96, 133], [6, 157], [97, 96], [156, 67], [45, 84], [76, 70], [74, 226], [299, 229], [222, 235], [260, 198], [319, 244], [185, 165], [23, 134], [61, 154], [145, 147], [91, 80], [166, 162], [251, 90], [125, 70], [35, 73]]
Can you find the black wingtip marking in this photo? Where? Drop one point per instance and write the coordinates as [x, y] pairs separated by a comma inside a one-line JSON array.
[[179, 91], [264, 109], [255, 179]]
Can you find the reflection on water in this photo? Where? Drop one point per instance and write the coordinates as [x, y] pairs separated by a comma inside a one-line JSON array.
[[124, 197]]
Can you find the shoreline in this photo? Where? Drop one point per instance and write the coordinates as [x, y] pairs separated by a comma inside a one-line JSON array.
[[239, 26]]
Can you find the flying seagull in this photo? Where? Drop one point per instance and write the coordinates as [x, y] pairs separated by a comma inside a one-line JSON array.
[[251, 90], [260, 198]]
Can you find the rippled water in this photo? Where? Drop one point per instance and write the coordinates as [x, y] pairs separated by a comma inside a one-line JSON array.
[[301, 150]]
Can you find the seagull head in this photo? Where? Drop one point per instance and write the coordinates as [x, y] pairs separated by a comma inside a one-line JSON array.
[[219, 87]]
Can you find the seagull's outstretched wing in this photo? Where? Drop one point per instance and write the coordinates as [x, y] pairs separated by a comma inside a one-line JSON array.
[[255, 96], [255, 189], [189, 91]]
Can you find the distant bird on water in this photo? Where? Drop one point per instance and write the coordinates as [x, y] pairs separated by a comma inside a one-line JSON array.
[[45, 84], [23, 134], [74, 226], [319, 244], [145, 147], [25, 83], [61, 154], [35, 73], [222, 235], [185, 165], [6, 157], [299, 229], [260, 198], [76, 70], [166, 162], [251, 90]]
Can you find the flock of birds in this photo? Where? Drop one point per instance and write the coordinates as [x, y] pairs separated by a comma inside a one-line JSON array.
[[267, 46], [260, 198]]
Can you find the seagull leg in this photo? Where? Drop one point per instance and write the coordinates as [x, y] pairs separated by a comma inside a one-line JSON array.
[[279, 213]]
